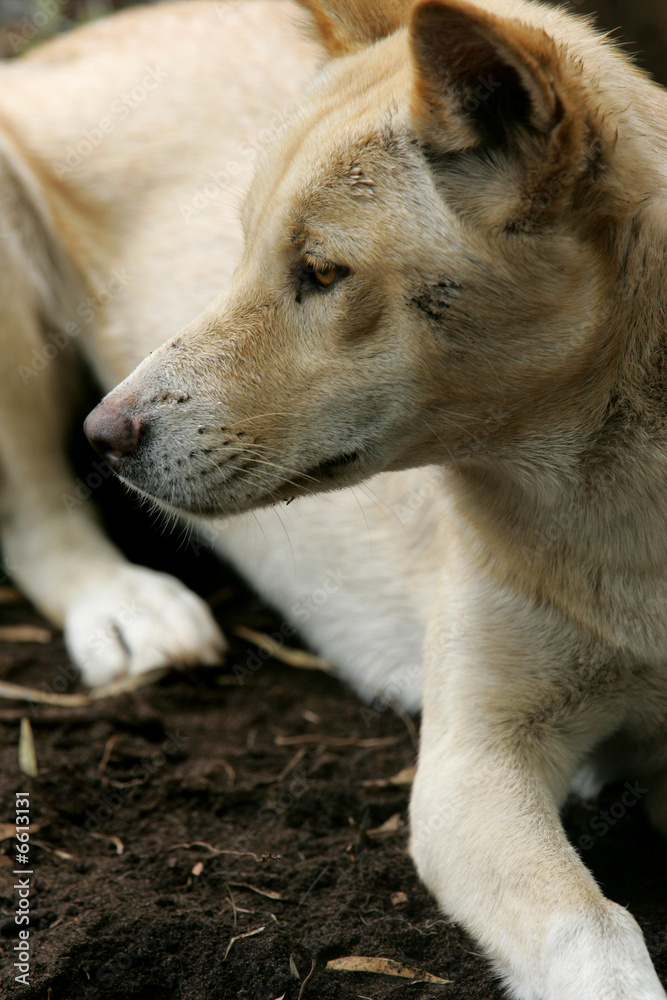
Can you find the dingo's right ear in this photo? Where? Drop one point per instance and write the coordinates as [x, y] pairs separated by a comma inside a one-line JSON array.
[[344, 26], [484, 81]]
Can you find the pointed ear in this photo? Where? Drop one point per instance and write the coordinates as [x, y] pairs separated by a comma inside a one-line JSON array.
[[343, 26], [483, 80]]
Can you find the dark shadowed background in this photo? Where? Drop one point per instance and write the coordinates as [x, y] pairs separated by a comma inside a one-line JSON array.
[[641, 24]]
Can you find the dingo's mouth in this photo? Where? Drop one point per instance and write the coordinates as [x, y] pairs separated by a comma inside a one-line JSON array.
[[323, 476], [223, 498], [328, 469]]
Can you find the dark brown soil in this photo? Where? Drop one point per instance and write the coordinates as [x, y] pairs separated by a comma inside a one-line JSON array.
[[251, 769]]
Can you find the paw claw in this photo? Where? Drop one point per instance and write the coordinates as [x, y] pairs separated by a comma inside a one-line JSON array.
[[137, 620]]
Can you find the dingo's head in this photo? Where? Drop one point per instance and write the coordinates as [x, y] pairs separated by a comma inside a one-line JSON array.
[[437, 250]]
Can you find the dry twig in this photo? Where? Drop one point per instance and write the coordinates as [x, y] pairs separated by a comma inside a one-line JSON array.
[[239, 938], [116, 841], [302, 991], [269, 893], [17, 692], [337, 741], [215, 850], [25, 633], [298, 658]]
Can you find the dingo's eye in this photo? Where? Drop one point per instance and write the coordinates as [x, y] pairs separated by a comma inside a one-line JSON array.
[[326, 276], [320, 274]]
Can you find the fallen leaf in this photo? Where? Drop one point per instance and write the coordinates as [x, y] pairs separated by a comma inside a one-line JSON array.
[[9, 595], [65, 854], [390, 827], [298, 658], [383, 967], [8, 830], [403, 779], [27, 755], [25, 633]]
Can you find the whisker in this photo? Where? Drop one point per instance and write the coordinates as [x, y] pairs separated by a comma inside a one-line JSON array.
[[445, 446], [283, 469], [276, 511], [363, 513], [258, 416], [380, 503]]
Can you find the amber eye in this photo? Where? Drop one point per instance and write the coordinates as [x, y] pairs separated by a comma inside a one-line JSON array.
[[318, 276], [325, 276], [321, 274]]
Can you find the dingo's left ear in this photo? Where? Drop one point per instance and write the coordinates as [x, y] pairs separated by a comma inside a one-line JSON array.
[[344, 26], [487, 81]]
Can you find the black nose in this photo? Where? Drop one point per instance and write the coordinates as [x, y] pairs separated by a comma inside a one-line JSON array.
[[112, 431]]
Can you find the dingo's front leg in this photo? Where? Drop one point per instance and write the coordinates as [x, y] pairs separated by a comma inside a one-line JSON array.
[[506, 723], [117, 617]]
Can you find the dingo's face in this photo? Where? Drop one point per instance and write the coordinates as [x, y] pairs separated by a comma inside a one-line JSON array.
[[424, 278]]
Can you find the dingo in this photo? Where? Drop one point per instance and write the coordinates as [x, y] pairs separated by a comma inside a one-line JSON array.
[[455, 253], [125, 148]]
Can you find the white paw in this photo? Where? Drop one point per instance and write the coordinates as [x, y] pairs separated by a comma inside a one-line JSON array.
[[600, 955], [135, 620]]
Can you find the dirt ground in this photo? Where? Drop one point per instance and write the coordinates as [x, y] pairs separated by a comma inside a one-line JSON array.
[[213, 804], [211, 837]]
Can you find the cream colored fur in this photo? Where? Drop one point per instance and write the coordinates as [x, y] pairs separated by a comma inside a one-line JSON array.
[[108, 248], [453, 254]]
